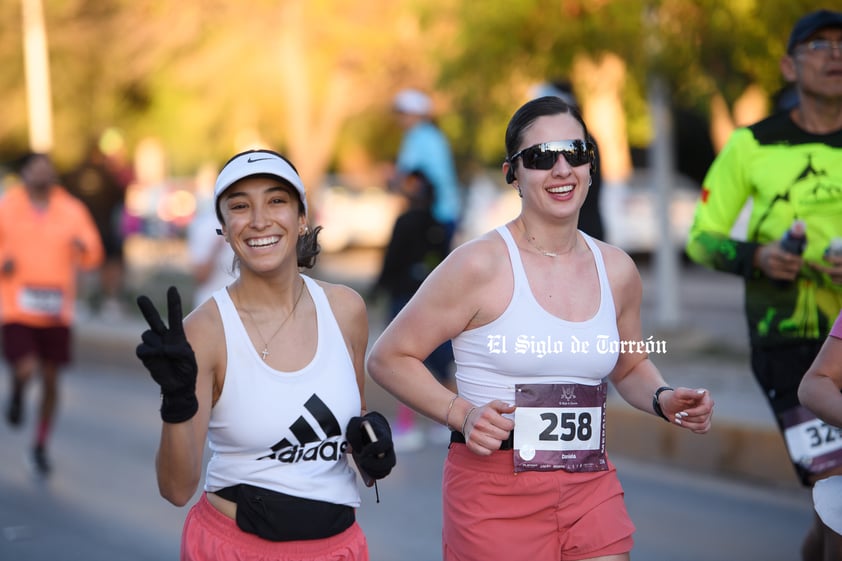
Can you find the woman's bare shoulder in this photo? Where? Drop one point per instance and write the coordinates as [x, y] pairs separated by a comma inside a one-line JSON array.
[[617, 261], [478, 260], [623, 275], [344, 300], [204, 323]]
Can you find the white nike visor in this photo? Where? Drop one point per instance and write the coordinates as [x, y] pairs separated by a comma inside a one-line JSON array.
[[257, 162]]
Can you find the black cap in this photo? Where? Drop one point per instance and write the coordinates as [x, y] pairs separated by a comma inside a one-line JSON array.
[[811, 23]]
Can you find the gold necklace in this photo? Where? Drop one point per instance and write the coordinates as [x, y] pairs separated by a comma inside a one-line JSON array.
[[265, 352], [531, 242]]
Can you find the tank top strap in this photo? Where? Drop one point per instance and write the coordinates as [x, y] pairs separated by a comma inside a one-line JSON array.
[[316, 293], [230, 318], [606, 297], [518, 271]]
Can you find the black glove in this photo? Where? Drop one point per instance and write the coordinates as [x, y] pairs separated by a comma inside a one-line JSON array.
[[169, 358], [376, 459]]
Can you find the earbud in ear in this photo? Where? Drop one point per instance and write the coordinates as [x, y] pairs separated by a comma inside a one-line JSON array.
[[510, 174]]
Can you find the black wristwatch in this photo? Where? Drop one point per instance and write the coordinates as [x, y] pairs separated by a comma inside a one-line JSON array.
[[656, 405]]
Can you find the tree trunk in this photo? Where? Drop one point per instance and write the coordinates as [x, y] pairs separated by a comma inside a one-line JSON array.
[[602, 83]]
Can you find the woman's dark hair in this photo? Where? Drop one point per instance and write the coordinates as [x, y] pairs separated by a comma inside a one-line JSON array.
[[308, 248], [529, 113]]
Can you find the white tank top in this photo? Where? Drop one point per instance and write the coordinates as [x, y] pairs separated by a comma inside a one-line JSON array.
[[285, 431], [528, 345]]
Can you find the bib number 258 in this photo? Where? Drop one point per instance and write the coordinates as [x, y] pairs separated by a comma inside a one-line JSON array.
[[566, 426]]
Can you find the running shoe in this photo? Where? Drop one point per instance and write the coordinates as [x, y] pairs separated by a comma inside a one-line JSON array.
[[40, 463], [14, 411]]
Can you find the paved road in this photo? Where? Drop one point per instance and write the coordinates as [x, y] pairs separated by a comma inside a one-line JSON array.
[[102, 503]]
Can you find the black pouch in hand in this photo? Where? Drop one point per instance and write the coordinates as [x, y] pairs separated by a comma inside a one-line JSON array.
[[375, 455], [279, 517]]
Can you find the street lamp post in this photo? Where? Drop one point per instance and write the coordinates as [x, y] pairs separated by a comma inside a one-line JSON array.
[[662, 166], [37, 69]]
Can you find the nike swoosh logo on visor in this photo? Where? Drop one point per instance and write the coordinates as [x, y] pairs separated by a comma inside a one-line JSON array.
[[252, 160]]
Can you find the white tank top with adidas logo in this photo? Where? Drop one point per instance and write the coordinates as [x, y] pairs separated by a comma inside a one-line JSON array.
[[528, 345], [285, 431]]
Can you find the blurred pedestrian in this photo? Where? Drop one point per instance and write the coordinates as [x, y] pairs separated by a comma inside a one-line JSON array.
[[790, 166], [417, 245], [95, 184], [270, 373], [590, 216], [537, 312], [425, 148], [46, 237], [211, 258]]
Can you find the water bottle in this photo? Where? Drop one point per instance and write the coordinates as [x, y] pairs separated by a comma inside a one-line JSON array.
[[793, 241], [834, 249]]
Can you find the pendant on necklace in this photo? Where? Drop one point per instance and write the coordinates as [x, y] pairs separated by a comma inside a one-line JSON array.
[[264, 352]]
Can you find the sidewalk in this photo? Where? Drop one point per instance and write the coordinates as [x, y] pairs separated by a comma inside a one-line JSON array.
[[709, 349]]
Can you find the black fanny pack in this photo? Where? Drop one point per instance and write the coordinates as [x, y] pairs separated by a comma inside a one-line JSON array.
[[279, 517]]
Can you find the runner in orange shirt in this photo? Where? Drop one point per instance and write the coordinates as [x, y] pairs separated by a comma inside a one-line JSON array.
[[46, 237]]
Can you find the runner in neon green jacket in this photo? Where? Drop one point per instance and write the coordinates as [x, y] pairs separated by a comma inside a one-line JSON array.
[[788, 174], [790, 167]]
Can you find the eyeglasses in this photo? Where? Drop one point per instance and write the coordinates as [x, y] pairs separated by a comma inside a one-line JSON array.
[[545, 155], [821, 46]]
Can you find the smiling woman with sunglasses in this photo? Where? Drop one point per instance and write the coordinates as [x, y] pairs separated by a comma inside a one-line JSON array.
[[541, 317]]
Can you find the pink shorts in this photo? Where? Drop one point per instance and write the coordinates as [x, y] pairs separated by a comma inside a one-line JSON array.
[[208, 534], [489, 512]]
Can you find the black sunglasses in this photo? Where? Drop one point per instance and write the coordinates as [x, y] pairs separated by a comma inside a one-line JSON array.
[[545, 155]]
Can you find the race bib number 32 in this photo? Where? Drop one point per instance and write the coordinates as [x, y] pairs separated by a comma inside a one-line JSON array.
[[560, 426], [813, 444]]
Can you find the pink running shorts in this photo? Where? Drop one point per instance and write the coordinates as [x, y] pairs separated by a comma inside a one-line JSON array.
[[489, 512], [209, 535]]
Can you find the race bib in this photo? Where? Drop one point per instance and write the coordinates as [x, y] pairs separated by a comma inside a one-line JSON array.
[[560, 426], [812, 443], [41, 301]]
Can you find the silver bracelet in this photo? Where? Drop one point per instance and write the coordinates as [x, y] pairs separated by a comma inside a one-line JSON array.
[[465, 422], [449, 409]]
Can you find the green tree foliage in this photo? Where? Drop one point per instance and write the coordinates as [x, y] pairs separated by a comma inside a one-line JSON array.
[[210, 76], [701, 48], [312, 77]]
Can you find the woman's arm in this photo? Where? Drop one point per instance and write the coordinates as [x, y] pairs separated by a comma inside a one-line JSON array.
[[449, 301], [820, 388], [634, 376], [178, 462]]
